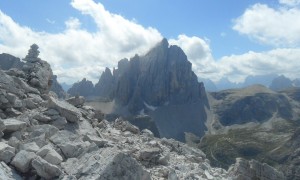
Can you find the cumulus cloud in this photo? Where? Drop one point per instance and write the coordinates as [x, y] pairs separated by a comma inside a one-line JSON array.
[[277, 27], [76, 53], [237, 67]]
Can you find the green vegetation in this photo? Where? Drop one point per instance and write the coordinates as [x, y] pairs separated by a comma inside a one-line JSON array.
[[262, 144]]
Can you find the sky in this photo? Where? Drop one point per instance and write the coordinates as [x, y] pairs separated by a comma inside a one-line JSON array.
[[228, 38]]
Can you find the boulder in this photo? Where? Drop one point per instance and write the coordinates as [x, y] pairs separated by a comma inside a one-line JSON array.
[[45, 169], [65, 109], [76, 101], [6, 152], [12, 125], [94, 139], [126, 126], [22, 160], [30, 147], [150, 154], [50, 155]]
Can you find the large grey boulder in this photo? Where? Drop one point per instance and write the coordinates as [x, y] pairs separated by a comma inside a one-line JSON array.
[[111, 164], [12, 125], [50, 155], [71, 113], [6, 152], [45, 169], [22, 160]]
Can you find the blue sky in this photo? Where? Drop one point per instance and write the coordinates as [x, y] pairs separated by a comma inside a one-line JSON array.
[[231, 37]]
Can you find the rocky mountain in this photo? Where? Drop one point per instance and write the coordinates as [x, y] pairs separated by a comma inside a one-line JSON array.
[[65, 86], [254, 123], [161, 85], [43, 137], [105, 86], [82, 88], [281, 83]]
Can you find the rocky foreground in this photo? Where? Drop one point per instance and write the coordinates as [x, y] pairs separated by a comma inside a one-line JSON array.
[[46, 138]]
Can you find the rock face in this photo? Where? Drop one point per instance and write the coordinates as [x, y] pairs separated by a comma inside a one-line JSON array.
[[105, 87], [82, 88], [281, 83], [8, 61], [158, 84]]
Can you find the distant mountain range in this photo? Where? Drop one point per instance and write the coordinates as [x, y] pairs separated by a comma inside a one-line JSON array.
[[273, 81]]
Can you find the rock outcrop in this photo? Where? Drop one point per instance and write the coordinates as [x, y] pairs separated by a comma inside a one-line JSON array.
[[8, 61], [83, 88], [105, 86]]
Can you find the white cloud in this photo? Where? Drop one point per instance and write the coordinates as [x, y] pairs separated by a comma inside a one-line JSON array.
[[278, 27], [76, 53], [290, 2], [237, 67]]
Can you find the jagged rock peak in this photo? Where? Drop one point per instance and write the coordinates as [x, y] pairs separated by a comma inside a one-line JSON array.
[[83, 88]]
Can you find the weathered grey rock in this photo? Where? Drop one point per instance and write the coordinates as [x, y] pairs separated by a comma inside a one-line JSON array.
[[126, 126], [76, 101], [98, 141], [150, 154], [73, 149], [6, 173], [6, 152], [50, 155], [51, 112], [42, 118], [147, 133], [59, 122], [8, 61], [29, 103], [46, 129], [22, 160], [65, 109], [12, 125], [114, 165], [45, 169], [30, 147], [244, 169]]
